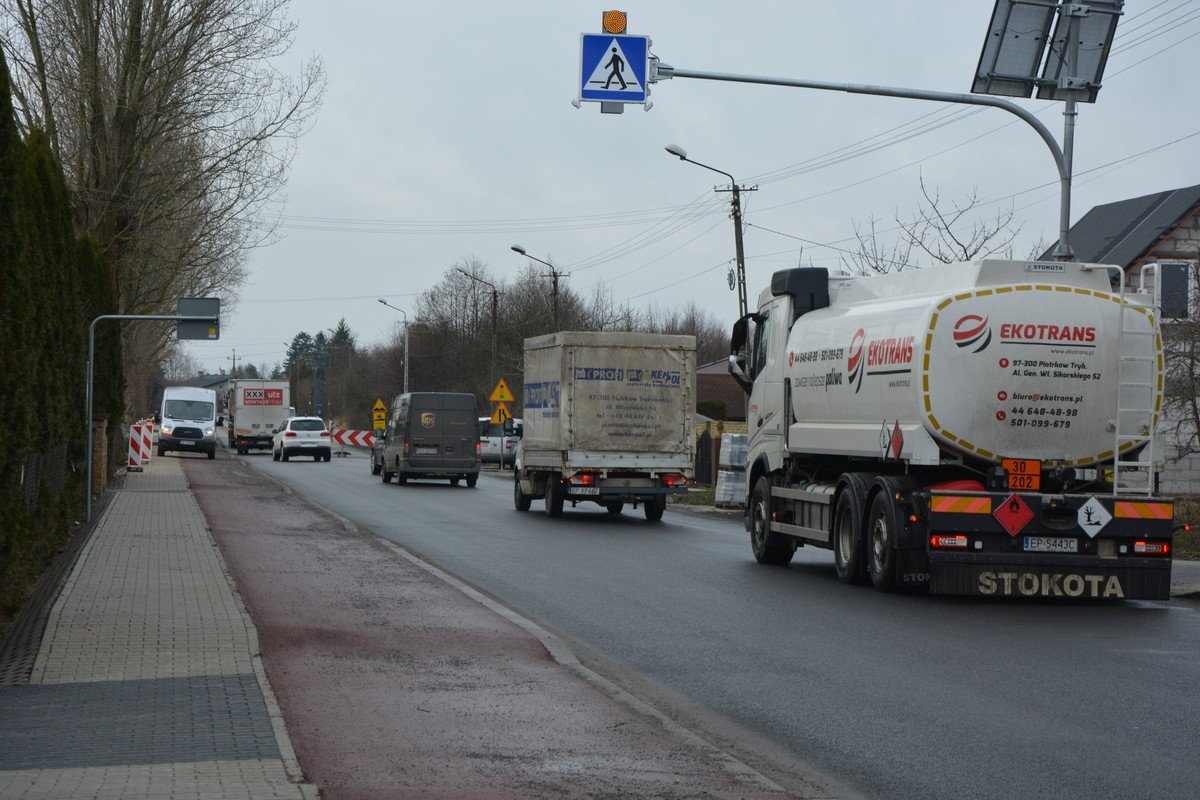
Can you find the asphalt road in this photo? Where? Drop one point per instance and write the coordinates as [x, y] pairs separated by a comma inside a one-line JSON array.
[[904, 696]]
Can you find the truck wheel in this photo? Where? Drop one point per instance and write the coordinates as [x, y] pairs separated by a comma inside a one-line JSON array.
[[521, 501], [769, 548], [384, 475], [881, 541], [616, 506], [212, 452], [454, 481], [162, 451], [375, 468], [848, 536], [655, 507], [554, 497], [472, 480], [401, 476]]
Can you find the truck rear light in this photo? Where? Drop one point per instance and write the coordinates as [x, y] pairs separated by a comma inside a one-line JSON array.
[[290, 435], [948, 541], [479, 451], [674, 480], [406, 447], [1151, 548], [583, 479]]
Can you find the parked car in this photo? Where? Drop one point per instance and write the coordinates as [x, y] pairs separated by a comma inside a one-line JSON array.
[[301, 436], [432, 435], [496, 446]]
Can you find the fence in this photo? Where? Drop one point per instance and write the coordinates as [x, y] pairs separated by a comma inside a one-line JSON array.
[[44, 471]]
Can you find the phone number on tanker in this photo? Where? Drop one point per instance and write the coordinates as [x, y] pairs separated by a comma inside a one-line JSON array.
[[1021, 422]]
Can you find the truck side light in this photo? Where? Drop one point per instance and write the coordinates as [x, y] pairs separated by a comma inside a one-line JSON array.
[[674, 480], [948, 541], [1151, 548]]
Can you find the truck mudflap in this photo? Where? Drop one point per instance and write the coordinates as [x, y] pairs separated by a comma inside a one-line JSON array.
[[1097, 578]]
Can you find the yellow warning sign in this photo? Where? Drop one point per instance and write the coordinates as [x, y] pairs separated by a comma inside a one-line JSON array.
[[501, 414], [501, 394], [379, 415]]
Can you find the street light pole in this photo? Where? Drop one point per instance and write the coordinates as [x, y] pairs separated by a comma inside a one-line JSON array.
[[402, 311], [554, 276], [739, 252], [495, 311]]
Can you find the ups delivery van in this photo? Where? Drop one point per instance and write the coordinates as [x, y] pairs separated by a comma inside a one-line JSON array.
[[432, 435]]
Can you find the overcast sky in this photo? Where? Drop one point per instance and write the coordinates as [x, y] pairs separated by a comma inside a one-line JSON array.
[[447, 133]]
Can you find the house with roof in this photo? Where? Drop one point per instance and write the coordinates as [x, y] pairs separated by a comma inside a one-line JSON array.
[[715, 384], [1164, 228]]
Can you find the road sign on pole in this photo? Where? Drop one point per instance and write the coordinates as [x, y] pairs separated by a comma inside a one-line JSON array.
[[208, 329], [614, 68], [379, 414], [501, 394], [501, 414]]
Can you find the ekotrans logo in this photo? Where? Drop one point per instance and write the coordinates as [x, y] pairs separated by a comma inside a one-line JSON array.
[[974, 332], [855, 361]]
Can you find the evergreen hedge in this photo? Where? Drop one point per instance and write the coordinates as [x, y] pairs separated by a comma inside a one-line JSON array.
[[53, 283]]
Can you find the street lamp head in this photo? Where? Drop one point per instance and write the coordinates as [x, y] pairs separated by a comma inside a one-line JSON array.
[[677, 151], [516, 248]]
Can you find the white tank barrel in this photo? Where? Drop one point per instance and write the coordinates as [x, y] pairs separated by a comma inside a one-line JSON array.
[[990, 360]]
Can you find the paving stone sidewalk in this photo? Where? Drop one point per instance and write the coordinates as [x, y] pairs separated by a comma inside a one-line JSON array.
[[147, 683]]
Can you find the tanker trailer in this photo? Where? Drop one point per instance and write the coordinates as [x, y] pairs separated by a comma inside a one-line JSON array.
[[981, 428]]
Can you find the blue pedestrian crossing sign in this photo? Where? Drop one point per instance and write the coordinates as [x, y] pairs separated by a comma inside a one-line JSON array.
[[613, 68]]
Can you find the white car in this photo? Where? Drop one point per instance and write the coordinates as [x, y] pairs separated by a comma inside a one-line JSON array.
[[496, 448], [301, 436]]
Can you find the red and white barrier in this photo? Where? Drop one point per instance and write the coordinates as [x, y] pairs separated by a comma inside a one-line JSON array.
[[140, 446], [353, 438]]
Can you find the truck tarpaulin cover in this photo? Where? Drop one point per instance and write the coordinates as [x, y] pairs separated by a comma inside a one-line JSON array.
[[610, 395]]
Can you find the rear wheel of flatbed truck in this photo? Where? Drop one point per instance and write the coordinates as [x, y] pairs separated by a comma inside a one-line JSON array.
[[769, 548], [554, 496], [655, 507], [521, 501]]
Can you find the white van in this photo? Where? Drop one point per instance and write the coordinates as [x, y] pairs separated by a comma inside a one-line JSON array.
[[188, 421]]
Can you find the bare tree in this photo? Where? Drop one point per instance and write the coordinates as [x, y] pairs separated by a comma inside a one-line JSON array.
[[946, 233], [179, 365], [175, 132], [875, 256], [1181, 400]]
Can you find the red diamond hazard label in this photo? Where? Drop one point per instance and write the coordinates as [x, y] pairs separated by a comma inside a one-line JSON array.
[[1013, 514]]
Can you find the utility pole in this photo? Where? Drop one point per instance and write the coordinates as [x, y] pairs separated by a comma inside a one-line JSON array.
[[234, 359], [739, 251]]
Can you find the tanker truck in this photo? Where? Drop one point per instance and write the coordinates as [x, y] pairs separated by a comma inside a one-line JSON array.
[[980, 428]]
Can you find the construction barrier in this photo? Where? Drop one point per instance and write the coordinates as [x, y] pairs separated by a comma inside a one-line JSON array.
[[353, 438], [140, 446]]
